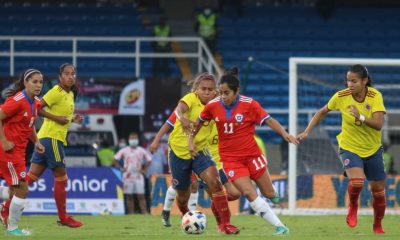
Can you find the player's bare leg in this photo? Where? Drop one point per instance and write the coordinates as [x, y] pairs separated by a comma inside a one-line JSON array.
[[260, 205]]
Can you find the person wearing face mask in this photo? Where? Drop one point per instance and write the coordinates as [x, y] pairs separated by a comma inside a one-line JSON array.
[[136, 162], [205, 26]]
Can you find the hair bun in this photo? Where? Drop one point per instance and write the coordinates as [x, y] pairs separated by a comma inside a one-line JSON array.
[[233, 71]]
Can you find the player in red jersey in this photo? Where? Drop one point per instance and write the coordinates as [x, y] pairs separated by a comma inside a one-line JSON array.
[[236, 116], [17, 126]]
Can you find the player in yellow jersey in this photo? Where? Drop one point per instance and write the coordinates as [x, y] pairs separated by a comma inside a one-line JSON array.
[[181, 162], [59, 113], [360, 141]]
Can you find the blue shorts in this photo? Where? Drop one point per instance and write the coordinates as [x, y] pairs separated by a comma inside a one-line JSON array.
[[372, 165], [222, 176], [53, 155], [181, 169]]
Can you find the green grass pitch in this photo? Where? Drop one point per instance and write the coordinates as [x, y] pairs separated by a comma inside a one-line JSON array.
[[252, 227]]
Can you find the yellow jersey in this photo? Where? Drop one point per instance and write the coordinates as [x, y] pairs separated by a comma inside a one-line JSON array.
[[59, 103], [213, 145], [178, 140], [355, 136]]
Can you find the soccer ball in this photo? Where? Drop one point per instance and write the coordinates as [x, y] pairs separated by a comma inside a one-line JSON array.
[[106, 211], [194, 222]]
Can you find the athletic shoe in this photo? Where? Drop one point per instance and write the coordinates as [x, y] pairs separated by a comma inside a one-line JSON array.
[[3, 215], [351, 218], [275, 199], [228, 229], [165, 218], [281, 230], [19, 232], [378, 229], [69, 222]]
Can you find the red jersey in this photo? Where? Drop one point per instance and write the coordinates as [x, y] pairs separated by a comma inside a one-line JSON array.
[[236, 126], [18, 126]]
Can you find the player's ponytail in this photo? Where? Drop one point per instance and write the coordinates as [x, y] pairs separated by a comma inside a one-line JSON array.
[[19, 85], [362, 72], [231, 78]]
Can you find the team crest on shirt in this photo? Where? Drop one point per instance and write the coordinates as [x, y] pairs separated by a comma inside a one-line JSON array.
[[25, 114], [217, 119], [367, 107], [239, 117], [346, 162], [231, 173], [23, 174]]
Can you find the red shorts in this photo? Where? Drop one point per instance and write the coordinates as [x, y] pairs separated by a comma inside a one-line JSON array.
[[13, 172], [253, 167]]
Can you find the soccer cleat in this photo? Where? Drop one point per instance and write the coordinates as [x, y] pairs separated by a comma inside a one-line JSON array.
[[69, 222], [351, 218], [3, 215], [275, 199], [228, 229], [19, 232], [165, 218], [281, 230], [378, 229]]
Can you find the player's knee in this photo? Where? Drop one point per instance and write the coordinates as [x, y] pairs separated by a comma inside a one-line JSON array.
[[215, 185], [61, 178], [249, 194], [232, 196]]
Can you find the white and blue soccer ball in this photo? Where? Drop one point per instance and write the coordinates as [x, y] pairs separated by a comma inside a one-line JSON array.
[[194, 222]]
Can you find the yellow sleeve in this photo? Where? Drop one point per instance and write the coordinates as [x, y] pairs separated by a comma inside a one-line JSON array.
[[333, 102], [378, 105], [51, 96], [188, 99]]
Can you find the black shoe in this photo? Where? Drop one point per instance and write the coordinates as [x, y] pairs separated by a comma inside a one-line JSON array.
[[165, 218]]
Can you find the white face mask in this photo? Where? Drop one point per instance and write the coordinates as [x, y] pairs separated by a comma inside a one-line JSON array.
[[133, 142]]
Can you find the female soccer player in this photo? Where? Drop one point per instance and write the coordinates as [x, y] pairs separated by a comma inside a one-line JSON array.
[[171, 193], [235, 116], [59, 103], [360, 141], [17, 126], [181, 162], [233, 193]]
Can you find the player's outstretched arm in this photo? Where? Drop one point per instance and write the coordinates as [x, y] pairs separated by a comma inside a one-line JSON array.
[[314, 122], [156, 141], [277, 127]]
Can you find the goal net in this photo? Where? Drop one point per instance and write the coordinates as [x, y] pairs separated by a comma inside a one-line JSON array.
[[316, 181]]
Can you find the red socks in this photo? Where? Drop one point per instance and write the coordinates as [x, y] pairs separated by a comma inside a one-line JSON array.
[[60, 196], [215, 212], [220, 202], [379, 205], [354, 189]]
